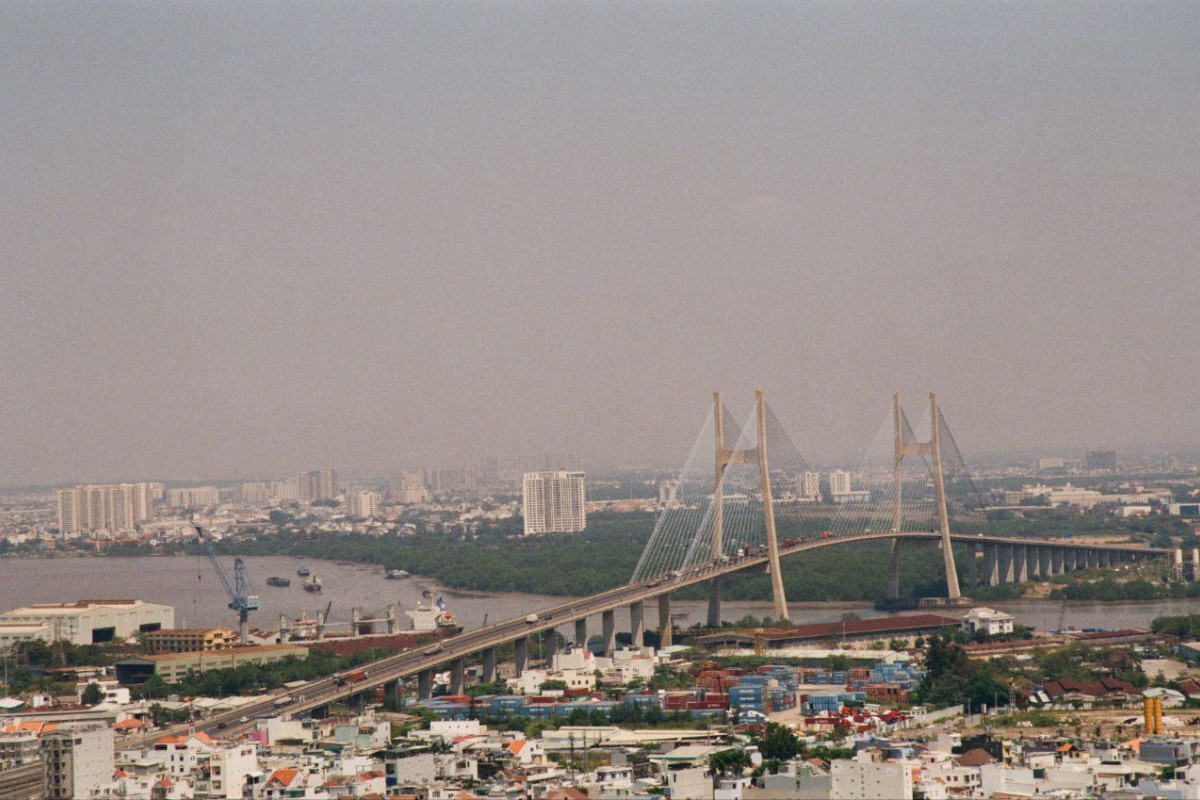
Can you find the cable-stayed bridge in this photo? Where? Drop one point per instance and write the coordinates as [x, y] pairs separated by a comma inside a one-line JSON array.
[[745, 500]]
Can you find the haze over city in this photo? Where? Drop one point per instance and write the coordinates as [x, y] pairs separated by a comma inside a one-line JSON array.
[[245, 239]]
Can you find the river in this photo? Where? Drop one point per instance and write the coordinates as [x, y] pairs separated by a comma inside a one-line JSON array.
[[189, 584]]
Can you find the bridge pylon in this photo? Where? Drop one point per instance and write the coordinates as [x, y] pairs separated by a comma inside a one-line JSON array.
[[933, 450], [755, 455]]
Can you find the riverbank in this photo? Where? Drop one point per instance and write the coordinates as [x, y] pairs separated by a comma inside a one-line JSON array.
[[189, 584]]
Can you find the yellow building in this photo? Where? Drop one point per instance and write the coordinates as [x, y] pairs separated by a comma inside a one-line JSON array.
[[190, 640]]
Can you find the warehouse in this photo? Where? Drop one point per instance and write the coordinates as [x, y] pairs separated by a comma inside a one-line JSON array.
[[173, 667], [87, 621]]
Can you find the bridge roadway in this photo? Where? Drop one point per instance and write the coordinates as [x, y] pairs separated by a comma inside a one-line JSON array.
[[411, 662], [24, 782]]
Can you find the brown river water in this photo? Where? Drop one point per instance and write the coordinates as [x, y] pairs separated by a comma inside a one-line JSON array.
[[189, 584]]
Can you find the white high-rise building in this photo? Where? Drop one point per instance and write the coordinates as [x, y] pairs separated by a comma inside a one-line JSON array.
[[809, 485], [317, 485], [362, 504], [109, 507], [194, 497], [840, 482], [77, 761], [554, 502]]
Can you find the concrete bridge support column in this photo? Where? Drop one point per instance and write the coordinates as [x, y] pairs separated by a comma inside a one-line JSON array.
[[1005, 553], [1033, 561], [1196, 563], [581, 632], [425, 684], [489, 665], [637, 625], [549, 646], [664, 620], [991, 570], [1057, 560], [608, 631], [458, 675], [1177, 564], [1045, 569], [391, 694], [1020, 563], [1071, 555], [714, 603], [1105, 562], [521, 655], [972, 565], [893, 590]]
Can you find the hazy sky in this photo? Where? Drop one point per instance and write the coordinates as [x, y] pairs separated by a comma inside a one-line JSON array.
[[250, 238]]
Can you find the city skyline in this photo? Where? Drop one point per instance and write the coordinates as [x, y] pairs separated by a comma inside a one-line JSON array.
[[243, 240]]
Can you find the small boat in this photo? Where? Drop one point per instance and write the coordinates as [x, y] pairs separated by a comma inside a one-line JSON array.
[[302, 572], [396, 574], [277, 581], [312, 584]]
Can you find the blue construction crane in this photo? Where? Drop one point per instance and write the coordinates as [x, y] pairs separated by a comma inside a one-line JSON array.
[[240, 599]]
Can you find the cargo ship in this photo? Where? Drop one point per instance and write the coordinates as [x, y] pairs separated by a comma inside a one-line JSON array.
[[312, 583], [396, 574], [302, 572], [432, 616]]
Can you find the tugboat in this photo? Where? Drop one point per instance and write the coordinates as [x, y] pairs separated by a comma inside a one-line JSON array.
[[276, 581], [396, 574], [433, 616], [312, 584], [302, 572]]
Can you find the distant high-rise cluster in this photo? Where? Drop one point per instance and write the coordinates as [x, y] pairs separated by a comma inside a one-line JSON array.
[[554, 502], [1102, 461], [107, 507]]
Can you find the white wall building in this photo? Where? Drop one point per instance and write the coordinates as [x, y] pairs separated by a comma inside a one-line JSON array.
[[808, 485], [77, 761], [553, 502], [870, 780], [89, 621], [988, 620]]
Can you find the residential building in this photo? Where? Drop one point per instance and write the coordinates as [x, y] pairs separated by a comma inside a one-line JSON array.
[[841, 488], [808, 485], [107, 507], [78, 761], [194, 497], [988, 620], [229, 768], [190, 640], [317, 485], [553, 502], [362, 504], [869, 780], [259, 492]]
